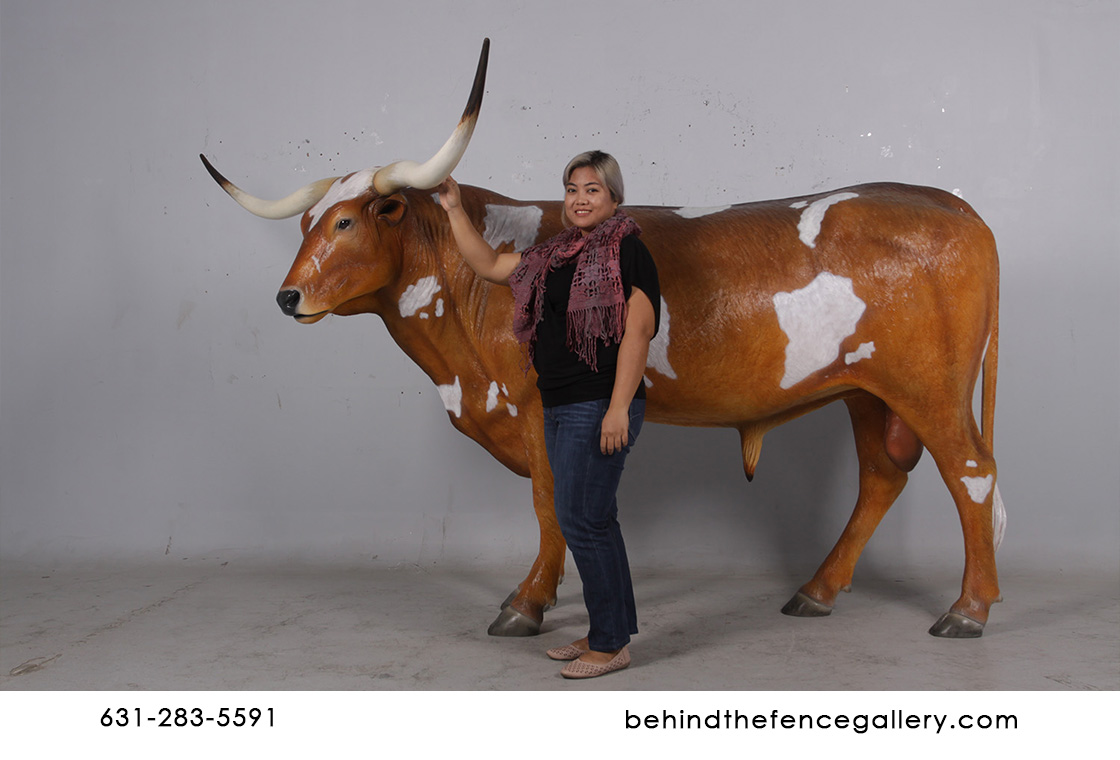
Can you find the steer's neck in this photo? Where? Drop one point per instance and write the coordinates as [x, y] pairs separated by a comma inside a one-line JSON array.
[[450, 321]]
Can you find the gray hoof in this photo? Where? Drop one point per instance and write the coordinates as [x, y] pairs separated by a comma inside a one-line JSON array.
[[513, 595], [802, 605], [952, 625], [510, 622]]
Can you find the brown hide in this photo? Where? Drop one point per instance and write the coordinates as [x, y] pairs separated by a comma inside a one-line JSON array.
[[920, 261]]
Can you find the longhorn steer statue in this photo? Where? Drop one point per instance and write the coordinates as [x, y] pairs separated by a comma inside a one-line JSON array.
[[884, 296]]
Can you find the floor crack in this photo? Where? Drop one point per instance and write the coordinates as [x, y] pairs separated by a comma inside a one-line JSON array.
[[38, 663]]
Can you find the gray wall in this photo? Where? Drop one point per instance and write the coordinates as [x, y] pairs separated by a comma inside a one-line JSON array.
[[155, 403]]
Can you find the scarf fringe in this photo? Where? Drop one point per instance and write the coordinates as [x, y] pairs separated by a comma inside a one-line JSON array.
[[586, 327]]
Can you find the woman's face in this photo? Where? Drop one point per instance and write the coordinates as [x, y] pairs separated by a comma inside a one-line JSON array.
[[587, 201]]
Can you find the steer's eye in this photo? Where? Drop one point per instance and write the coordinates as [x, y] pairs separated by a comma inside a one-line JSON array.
[[343, 224]]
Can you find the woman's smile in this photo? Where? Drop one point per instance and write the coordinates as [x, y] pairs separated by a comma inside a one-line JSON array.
[[587, 201]]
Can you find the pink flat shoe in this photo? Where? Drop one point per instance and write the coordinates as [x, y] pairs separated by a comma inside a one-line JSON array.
[[566, 652], [581, 669]]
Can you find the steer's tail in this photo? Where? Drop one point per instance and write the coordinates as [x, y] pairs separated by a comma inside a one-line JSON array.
[[988, 419], [988, 389]]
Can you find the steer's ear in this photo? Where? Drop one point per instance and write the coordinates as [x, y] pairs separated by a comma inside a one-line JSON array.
[[391, 209]]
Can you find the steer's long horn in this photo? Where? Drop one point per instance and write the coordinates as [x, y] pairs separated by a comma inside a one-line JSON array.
[[296, 203], [435, 170]]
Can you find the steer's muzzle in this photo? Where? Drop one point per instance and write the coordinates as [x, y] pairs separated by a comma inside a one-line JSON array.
[[289, 301]]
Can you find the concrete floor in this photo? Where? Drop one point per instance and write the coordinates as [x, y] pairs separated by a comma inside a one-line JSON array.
[[243, 625]]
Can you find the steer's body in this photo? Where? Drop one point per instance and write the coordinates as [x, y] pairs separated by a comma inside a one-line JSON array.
[[896, 299]]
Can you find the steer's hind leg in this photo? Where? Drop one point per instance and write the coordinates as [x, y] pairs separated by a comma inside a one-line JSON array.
[[969, 470], [880, 482]]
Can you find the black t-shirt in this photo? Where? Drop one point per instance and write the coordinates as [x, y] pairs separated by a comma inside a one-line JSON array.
[[562, 377]]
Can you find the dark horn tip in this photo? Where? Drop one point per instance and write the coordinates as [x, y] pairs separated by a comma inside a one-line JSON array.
[[217, 175], [474, 102]]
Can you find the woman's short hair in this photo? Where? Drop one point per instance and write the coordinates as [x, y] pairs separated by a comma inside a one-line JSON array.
[[602, 164]]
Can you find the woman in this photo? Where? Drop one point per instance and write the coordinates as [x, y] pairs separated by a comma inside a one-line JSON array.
[[586, 303]]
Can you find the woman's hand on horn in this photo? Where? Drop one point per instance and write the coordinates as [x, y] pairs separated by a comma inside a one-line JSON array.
[[449, 196]]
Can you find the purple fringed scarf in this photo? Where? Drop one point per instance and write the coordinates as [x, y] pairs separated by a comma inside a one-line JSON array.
[[596, 304]]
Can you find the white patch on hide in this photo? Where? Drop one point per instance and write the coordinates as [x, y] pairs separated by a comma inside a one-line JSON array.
[[492, 398], [816, 319], [810, 225], [511, 224], [799, 204], [971, 463], [999, 519], [978, 488], [417, 296], [452, 396], [658, 356], [695, 212], [423, 315], [342, 190], [439, 307], [863, 352], [647, 381]]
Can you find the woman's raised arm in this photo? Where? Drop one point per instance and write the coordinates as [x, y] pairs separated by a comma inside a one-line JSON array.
[[480, 255]]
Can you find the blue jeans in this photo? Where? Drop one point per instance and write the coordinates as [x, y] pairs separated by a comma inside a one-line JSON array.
[[585, 482]]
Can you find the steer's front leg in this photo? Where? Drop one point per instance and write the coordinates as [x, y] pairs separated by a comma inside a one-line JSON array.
[[523, 611]]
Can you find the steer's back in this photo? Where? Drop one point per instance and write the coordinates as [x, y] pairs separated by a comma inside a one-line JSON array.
[[775, 305]]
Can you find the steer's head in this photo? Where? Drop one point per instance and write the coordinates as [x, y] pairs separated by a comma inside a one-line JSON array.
[[351, 225], [351, 250]]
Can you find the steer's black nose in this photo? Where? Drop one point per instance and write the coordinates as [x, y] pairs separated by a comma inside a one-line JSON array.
[[288, 300]]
